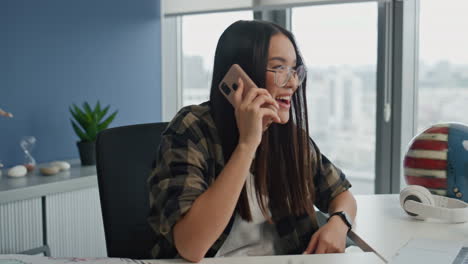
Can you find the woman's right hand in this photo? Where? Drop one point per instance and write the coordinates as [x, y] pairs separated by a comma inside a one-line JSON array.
[[250, 114]]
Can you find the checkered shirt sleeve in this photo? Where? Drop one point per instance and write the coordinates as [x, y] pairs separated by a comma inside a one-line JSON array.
[[329, 181], [178, 179]]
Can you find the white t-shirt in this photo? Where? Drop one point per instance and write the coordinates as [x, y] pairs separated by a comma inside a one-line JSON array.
[[256, 238]]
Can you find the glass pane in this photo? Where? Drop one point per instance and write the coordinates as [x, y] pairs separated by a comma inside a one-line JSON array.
[[443, 65], [339, 45], [200, 34]]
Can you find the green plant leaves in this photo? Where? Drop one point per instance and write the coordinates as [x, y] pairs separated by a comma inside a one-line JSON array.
[[103, 113], [97, 108], [88, 120], [106, 122], [83, 136], [87, 109]]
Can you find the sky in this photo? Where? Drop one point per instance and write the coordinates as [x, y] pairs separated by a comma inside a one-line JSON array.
[[344, 33]]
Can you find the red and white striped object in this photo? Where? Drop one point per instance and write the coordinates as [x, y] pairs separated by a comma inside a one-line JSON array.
[[425, 162]]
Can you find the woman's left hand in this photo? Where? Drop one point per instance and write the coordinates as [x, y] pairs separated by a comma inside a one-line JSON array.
[[330, 238]]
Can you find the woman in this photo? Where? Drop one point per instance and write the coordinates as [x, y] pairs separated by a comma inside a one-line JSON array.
[[243, 179]]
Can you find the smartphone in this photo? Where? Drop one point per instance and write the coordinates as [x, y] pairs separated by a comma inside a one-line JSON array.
[[229, 83]]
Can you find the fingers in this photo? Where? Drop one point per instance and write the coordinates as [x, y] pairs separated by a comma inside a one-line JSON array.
[[325, 246], [312, 244], [254, 102], [267, 112], [321, 248], [320, 243], [253, 93], [237, 97], [260, 100], [267, 121]]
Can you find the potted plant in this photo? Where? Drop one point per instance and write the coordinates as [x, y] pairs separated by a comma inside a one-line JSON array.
[[87, 123]]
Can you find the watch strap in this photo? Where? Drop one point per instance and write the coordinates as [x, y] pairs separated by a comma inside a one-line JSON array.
[[343, 217]]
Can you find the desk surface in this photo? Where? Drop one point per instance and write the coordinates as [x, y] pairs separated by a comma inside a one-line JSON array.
[[351, 258], [35, 185], [383, 224], [380, 223]]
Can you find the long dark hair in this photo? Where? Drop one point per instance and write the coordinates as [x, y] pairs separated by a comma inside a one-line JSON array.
[[283, 166]]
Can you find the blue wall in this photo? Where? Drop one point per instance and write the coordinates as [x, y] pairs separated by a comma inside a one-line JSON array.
[[57, 52]]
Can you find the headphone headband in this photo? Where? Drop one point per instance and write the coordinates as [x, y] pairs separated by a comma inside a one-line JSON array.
[[418, 202]]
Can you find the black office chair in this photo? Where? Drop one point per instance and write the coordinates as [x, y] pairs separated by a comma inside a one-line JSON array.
[[125, 157]]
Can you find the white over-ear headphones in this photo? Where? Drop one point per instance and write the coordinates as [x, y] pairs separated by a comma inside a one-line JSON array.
[[418, 202]]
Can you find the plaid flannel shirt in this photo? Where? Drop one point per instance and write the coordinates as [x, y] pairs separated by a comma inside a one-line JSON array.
[[190, 157]]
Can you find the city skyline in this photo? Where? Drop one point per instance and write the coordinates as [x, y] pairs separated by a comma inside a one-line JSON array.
[[342, 108], [339, 45]]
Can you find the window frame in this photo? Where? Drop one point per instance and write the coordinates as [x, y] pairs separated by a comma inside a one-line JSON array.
[[397, 69]]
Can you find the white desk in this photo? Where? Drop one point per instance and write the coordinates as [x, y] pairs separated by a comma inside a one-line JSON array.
[[380, 223], [383, 224], [351, 258]]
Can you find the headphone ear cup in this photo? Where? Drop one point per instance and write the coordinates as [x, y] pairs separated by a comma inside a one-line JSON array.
[[418, 194]]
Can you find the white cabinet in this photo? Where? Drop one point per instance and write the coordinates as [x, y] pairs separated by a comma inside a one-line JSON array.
[[74, 224], [20, 226], [62, 211]]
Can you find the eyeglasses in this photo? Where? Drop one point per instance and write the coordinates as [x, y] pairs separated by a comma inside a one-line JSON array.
[[284, 73]]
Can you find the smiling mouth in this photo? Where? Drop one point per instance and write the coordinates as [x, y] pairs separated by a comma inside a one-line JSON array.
[[284, 101]]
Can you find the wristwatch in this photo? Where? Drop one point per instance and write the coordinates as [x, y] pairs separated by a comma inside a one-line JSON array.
[[344, 216]]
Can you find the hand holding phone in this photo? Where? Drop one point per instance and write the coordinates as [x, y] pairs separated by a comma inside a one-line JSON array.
[[252, 100], [229, 84]]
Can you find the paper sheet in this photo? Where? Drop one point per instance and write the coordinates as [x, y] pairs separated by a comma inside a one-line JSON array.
[[427, 251]]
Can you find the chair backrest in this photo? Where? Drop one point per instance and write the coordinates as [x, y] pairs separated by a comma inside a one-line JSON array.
[[125, 157]]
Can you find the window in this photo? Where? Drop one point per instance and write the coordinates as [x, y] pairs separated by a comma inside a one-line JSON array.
[[361, 112], [200, 34], [339, 46], [443, 65]]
